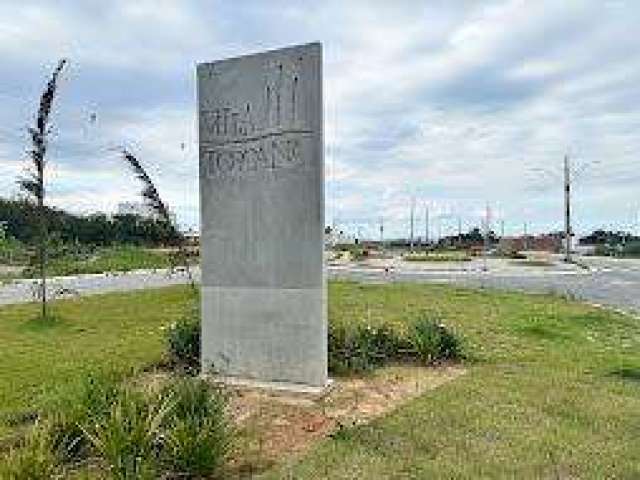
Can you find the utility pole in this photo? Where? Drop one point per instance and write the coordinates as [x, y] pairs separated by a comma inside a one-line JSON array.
[[413, 204], [486, 236], [381, 233], [567, 210], [426, 226], [459, 232], [525, 239], [502, 228]]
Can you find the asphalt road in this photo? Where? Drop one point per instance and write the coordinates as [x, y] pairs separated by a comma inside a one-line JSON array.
[[615, 283], [609, 282], [22, 291]]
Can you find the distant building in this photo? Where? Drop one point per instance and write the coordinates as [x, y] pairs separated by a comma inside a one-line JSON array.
[[585, 249], [142, 210], [337, 237], [192, 237], [549, 242]]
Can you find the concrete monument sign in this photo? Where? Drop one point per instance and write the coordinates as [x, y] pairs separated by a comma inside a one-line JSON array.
[[262, 216]]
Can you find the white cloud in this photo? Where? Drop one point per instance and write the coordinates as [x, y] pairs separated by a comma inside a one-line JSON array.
[[451, 102]]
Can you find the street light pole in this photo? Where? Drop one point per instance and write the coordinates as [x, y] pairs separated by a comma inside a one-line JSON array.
[[426, 226], [413, 204], [486, 238], [567, 210]]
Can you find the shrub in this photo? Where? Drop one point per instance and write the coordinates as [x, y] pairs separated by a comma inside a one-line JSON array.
[[632, 249], [129, 438], [181, 431], [183, 342], [33, 460], [432, 341], [361, 348], [197, 433], [78, 407], [356, 252]]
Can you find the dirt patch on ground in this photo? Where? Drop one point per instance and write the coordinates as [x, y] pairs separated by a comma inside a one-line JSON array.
[[277, 427]]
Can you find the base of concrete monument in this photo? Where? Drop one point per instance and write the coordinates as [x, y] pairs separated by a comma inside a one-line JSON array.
[[277, 387]]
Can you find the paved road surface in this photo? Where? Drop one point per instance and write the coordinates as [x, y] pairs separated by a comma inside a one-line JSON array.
[[607, 281], [21, 291]]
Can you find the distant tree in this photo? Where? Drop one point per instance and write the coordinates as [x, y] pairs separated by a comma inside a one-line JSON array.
[[94, 229], [603, 237], [33, 183]]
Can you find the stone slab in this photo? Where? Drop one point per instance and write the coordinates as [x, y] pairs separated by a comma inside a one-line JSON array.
[[262, 216]]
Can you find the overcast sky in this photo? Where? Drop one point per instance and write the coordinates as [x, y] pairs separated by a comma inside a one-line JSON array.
[[455, 104]]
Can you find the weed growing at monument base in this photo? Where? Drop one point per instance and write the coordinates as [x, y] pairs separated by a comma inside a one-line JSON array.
[[125, 442], [354, 347], [432, 341], [198, 434], [357, 347], [360, 347], [183, 342]]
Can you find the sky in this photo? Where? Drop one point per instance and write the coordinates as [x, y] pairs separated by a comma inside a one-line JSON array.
[[455, 107]]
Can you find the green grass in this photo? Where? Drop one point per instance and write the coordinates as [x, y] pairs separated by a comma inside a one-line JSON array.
[[437, 257], [116, 332], [552, 391], [108, 259], [12, 252], [532, 263]]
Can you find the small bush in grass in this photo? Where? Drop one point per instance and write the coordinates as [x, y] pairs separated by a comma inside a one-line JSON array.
[[129, 438], [33, 460], [182, 431], [183, 342], [80, 406], [362, 347], [197, 432], [432, 341]]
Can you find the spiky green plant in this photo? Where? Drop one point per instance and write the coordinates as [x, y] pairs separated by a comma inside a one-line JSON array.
[[33, 183], [127, 440], [198, 434], [33, 459], [151, 197]]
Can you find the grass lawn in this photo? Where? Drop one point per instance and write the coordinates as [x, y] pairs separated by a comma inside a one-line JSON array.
[[115, 331], [109, 259], [552, 391], [532, 263], [437, 257]]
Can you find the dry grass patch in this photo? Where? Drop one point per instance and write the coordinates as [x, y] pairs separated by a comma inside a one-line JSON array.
[[276, 428]]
